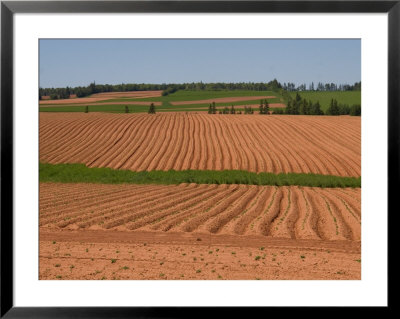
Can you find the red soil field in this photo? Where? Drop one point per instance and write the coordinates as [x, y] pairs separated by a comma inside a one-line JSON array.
[[258, 143], [101, 97], [223, 100], [227, 231], [105, 102]]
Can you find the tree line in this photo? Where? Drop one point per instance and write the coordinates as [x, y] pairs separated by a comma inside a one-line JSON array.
[[274, 85], [327, 87]]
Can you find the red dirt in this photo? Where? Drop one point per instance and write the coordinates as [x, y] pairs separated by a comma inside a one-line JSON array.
[[91, 103], [224, 100], [189, 231], [101, 97], [301, 144]]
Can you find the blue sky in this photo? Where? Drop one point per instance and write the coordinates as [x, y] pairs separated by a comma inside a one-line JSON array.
[[80, 62]]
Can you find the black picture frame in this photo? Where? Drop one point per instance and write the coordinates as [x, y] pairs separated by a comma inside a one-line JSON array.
[[9, 8]]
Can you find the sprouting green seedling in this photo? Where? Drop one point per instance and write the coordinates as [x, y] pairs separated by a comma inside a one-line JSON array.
[[302, 257], [198, 270], [358, 260], [257, 258], [262, 248], [162, 275], [57, 265], [113, 261], [125, 268]]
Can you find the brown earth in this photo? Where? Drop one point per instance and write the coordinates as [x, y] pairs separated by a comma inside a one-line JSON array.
[[189, 231], [223, 100], [105, 102], [292, 143], [101, 97]]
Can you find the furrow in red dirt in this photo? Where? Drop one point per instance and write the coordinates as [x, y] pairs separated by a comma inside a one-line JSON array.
[[174, 221], [165, 141], [237, 224], [166, 209], [153, 205], [279, 212], [221, 220]]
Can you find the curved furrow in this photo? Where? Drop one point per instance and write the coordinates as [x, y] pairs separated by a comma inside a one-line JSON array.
[[313, 162], [71, 196], [263, 225], [272, 148], [328, 228], [156, 153], [121, 150], [352, 205], [52, 148], [102, 155], [297, 163], [307, 224], [270, 164], [246, 145], [227, 155], [142, 218], [282, 224], [216, 222], [190, 151], [171, 145], [348, 133], [175, 221], [178, 144], [108, 211], [184, 206], [211, 143], [319, 141], [150, 144], [349, 146], [111, 216], [347, 220], [197, 221], [218, 162], [263, 160], [240, 224], [202, 162], [352, 199], [75, 214], [185, 144], [145, 201], [136, 148], [72, 147], [88, 203], [239, 157], [50, 138], [159, 162]]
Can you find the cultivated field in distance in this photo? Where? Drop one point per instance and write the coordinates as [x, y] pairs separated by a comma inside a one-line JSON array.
[[179, 141]]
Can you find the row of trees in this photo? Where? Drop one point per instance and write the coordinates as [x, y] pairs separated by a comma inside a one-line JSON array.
[[81, 91], [322, 87]]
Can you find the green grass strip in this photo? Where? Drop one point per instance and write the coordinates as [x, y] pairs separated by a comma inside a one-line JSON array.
[[79, 173]]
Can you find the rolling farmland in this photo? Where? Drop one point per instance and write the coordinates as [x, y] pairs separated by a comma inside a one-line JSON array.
[[278, 144], [189, 195]]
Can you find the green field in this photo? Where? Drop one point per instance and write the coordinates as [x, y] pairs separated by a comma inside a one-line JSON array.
[[324, 98], [79, 173]]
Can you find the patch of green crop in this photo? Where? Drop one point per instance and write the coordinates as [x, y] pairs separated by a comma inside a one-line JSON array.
[[79, 173]]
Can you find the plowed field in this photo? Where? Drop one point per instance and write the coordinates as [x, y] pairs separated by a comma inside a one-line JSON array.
[[299, 144], [282, 212], [233, 231]]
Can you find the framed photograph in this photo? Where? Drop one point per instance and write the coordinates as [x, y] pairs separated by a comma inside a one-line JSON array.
[[163, 155]]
